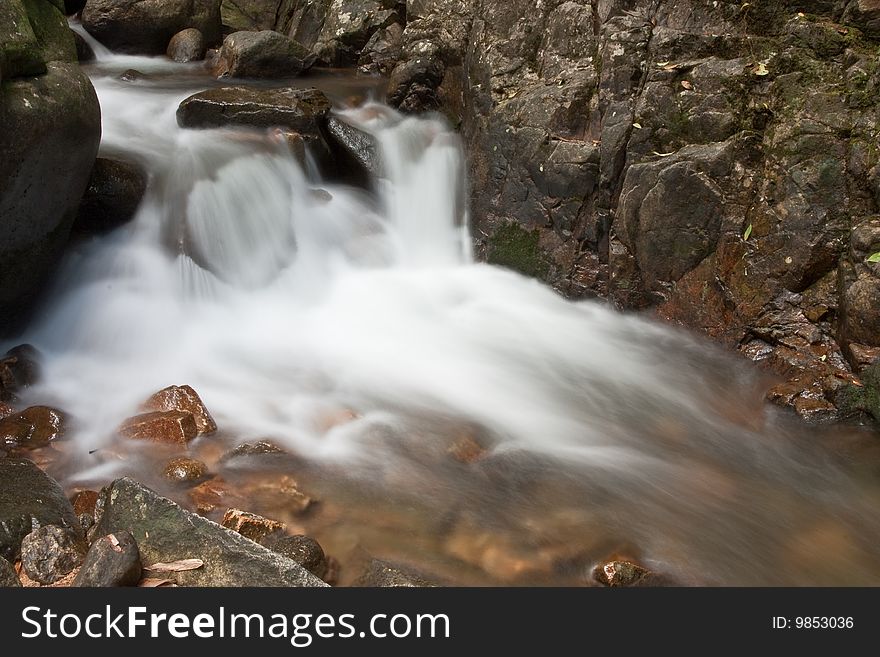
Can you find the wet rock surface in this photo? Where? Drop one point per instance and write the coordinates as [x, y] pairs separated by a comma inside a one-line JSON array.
[[165, 533], [185, 400], [112, 560], [8, 576], [29, 499], [49, 553], [353, 144], [187, 46], [33, 427], [250, 525], [169, 427], [264, 54], [306, 551], [115, 190], [185, 471], [384, 574]]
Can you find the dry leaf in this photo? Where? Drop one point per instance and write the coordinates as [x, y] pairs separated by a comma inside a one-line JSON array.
[[637, 126], [152, 583], [176, 566], [761, 70], [662, 64], [662, 154], [687, 85]]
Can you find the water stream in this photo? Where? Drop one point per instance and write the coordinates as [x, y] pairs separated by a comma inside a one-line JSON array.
[[354, 328]]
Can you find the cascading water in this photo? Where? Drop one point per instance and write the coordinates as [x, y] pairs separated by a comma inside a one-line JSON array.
[[286, 301]]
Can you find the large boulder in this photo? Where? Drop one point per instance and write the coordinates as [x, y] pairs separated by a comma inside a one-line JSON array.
[[51, 130], [265, 54], [348, 27], [165, 533], [115, 190], [29, 499], [186, 46], [249, 14], [146, 26]]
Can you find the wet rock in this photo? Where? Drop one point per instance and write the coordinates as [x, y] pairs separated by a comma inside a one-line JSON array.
[[8, 576], [214, 495], [29, 499], [185, 471], [413, 85], [251, 525], [84, 52], [862, 356], [185, 400], [619, 573], [249, 14], [281, 491], [384, 574], [265, 54], [165, 532], [301, 110], [348, 27], [248, 450], [350, 143], [133, 26], [19, 369], [115, 190], [34, 427], [170, 427], [112, 560], [49, 553], [133, 75], [186, 46], [865, 15], [83, 502], [306, 551], [6, 410], [382, 52]]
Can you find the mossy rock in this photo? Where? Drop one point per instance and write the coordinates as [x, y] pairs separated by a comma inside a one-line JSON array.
[[853, 399], [516, 248]]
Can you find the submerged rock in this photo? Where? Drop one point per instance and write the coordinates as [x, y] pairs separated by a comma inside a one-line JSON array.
[[384, 574], [619, 573], [185, 400], [170, 427], [165, 532], [29, 498], [246, 450], [112, 560], [84, 52], [306, 551], [134, 26], [51, 552], [265, 54], [187, 46], [8, 576], [251, 525], [185, 471], [115, 190]]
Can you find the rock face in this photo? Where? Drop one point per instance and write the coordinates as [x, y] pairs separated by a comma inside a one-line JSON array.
[[165, 532], [115, 190], [249, 14], [51, 130], [265, 54], [146, 26], [112, 560], [8, 576], [51, 552], [29, 499], [187, 46]]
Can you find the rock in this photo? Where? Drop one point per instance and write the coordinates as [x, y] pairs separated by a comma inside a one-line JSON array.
[[49, 553], [29, 499], [251, 525], [185, 400], [165, 532], [36, 426], [265, 54], [466, 449], [6, 410], [384, 574], [133, 75], [865, 15], [619, 573], [72, 7], [146, 26], [187, 46], [249, 14], [185, 471], [112, 560], [306, 551], [8, 576], [115, 190], [19, 368], [281, 491], [348, 27], [350, 143], [862, 356], [170, 427], [213, 495], [301, 110], [84, 52], [413, 84], [382, 52], [246, 450], [83, 502]]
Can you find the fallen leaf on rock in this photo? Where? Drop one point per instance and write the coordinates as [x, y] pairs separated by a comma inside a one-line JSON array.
[[761, 70], [748, 233], [874, 257], [662, 154], [687, 85], [114, 542], [176, 566], [152, 583]]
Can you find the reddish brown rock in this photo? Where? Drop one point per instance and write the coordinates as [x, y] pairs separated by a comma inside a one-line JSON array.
[[619, 573], [185, 400], [6, 410], [281, 491], [185, 471], [36, 426], [251, 525], [170, 427], [862, 356], [84, 502], [466, 449], [213, 494]]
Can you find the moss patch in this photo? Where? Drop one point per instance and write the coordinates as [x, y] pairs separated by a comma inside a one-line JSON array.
[[865, 399], [514, 247]]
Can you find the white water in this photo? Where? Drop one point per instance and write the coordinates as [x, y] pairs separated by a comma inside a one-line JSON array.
[[283, 307]]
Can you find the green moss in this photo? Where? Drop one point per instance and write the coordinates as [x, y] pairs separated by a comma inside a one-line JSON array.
[[52, 32], [853, 399], [514, 247]]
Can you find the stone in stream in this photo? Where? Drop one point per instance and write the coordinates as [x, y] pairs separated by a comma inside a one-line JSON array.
[[115, 190], [84, 52], [620, 573], [251, 525], [34, 427], [19, 369], [6, 410], [29, 498], [305, 550], [185, 471], [348, 27], [8, 576], [135, 26], [83, 502], [112, 560], [249, 450], [186, 46], [169, 427], [49, 553], [185, 400], [265, 54], [384, 574], [350, 143], [165, 532]]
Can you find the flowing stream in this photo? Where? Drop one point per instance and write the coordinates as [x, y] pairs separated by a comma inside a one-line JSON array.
[[354, 328]]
